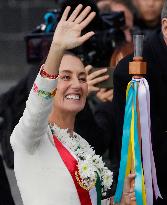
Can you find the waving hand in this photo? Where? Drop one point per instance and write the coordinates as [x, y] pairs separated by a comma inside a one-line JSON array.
[[68, 31], [68, 35]]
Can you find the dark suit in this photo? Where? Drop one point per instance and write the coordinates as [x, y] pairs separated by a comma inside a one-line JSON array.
[[5, 194]]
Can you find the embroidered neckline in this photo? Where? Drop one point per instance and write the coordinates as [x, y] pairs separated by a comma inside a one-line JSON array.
[[89, 164]]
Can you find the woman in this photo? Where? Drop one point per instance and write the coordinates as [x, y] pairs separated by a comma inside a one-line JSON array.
[[54, 165]]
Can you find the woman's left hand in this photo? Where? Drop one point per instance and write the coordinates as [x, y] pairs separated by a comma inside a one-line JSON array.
[[128, 193]]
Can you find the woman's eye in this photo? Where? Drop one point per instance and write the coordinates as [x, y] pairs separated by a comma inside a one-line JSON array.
[[82, 79], [65, 77]]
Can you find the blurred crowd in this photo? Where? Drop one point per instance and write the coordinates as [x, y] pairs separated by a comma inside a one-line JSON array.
[[115, 23]]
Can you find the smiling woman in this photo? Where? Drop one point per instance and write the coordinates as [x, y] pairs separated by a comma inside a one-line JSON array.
[[72, 87], [52, 163]]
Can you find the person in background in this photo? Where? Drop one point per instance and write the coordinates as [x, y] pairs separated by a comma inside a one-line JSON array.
[[121, 52], [109, 116], [117, 6], [147, 15], [121, 5], [104, 5], [155, 54], [125, 48]]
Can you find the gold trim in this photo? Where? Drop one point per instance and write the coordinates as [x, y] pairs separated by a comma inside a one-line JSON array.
[[82, 184]]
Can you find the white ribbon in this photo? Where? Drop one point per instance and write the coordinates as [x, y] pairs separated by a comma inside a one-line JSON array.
[[147, 153]]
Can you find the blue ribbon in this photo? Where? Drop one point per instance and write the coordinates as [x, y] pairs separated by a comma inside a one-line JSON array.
[[125, 145], [130, 100]]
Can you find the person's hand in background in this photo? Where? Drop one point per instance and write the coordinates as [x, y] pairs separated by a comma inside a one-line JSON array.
[[105, 95], [95, 77]]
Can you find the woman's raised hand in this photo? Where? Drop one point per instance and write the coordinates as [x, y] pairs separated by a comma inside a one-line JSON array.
[[68, 31]]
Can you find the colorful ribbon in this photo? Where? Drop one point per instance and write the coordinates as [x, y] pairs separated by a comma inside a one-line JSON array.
[[147, 152], [137, 117]]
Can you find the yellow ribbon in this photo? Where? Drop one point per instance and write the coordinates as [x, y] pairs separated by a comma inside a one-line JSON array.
[[131, 153]]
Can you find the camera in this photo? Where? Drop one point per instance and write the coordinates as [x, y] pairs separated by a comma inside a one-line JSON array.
[[39, 40], [97, 51]]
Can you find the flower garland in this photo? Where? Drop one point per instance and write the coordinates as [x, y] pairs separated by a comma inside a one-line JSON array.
[[89, 164]]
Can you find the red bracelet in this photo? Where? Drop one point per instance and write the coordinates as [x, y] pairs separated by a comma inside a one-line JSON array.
[[44, 74]]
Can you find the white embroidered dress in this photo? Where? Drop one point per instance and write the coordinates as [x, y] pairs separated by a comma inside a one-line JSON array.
[[41, 174]]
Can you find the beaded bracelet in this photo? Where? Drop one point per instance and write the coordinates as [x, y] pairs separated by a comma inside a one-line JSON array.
[[44, 74]]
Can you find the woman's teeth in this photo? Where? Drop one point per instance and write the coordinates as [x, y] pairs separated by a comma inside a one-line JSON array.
[[73, 97]]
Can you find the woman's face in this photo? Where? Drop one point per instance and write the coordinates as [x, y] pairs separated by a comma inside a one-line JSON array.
[[72, 87]]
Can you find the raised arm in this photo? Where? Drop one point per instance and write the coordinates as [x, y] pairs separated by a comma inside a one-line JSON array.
[[34, 122], [68, 35]]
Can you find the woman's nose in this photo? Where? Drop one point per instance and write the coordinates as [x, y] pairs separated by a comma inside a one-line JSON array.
[[76, 83]]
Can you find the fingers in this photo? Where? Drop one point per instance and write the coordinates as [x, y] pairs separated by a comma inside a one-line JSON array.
[[131, 177], [75, 13], [129, 197], [129, 192], [128, 181], [132, 195], [88, 19], [108, 94], [65, 13], [85, 37], [93, 77], [99, 79], [104, 95], [83, 15], [93, 89], [88, 68], [81, 18], [96, 73]]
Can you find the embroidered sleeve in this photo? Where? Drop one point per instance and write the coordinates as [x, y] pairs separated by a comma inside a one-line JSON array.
[[34, 122], [43, 93]]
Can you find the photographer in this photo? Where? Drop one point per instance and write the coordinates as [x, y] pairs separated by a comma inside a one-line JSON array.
[[109, 117]]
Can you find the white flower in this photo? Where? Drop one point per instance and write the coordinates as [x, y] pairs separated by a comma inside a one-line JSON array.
[[97, 160], [86, 170], [89, 164], [107, 179]]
